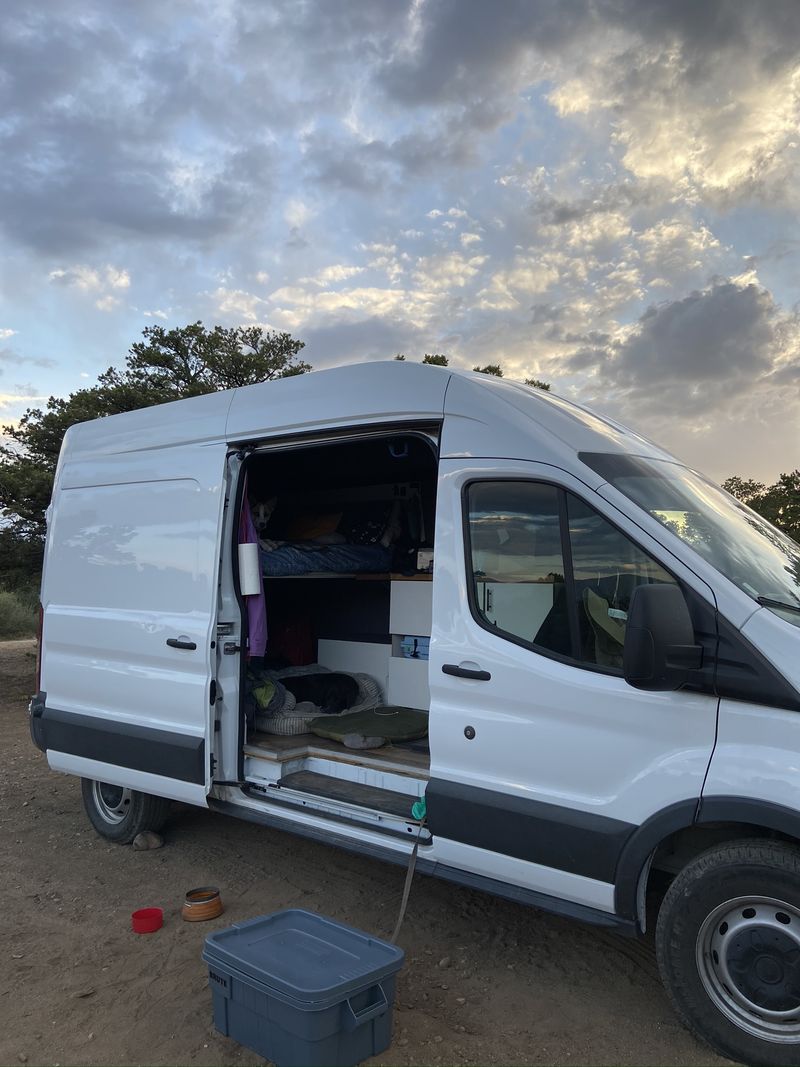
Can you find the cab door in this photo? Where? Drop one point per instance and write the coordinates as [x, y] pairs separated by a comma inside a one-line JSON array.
[[129, 599], [544, 760]]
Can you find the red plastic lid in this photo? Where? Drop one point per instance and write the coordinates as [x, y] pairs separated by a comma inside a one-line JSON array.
[[147, 920]]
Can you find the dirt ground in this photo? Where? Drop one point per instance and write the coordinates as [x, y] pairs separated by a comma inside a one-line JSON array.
[[485, 981]]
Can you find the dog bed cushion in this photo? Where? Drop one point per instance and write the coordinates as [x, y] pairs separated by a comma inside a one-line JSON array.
[[387, 722]]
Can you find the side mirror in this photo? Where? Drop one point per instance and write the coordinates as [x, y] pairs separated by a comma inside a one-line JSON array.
[[660, 647]]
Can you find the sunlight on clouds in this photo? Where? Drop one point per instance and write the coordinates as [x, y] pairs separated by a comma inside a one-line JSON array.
[[295, 307], [238, 303], [510, 288], [448, 270]]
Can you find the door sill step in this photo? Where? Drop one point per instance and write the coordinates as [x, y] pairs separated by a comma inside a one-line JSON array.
[[339, 789]]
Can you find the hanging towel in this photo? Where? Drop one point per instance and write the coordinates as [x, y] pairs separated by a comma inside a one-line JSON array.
[[256, 604]]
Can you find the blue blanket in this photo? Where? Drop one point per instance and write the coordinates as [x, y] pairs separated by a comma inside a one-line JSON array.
[[338, 559]]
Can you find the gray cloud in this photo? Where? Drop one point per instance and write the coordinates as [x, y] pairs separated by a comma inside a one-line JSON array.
[[11, 358], [705, 351]]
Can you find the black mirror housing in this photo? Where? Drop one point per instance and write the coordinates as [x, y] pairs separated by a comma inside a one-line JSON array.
[[660, 647]]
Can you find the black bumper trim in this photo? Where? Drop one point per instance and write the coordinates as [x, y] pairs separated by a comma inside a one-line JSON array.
[[139, 748]]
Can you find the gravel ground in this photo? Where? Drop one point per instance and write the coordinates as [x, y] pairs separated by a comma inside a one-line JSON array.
[[485, 981]]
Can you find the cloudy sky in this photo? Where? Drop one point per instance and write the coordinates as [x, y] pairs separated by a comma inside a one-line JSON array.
[[602, 193]]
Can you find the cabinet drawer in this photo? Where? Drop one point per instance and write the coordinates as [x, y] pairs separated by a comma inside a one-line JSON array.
[[411, 608], [408, 683]]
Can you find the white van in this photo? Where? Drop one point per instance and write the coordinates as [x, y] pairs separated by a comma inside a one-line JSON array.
[[612, 681]]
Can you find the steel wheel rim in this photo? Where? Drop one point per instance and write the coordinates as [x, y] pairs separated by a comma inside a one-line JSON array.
[[111, 801], [748, 959]]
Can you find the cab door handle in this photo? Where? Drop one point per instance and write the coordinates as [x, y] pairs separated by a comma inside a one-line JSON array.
[[466, 672], [181, 642]]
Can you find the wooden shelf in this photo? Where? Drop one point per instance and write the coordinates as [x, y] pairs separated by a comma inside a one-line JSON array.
[[358, 577]]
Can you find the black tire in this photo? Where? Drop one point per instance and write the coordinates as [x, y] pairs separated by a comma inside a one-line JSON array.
[[120, 814], [728, 946]]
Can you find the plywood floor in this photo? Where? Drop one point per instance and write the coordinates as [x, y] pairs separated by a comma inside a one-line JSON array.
[[396, 758]]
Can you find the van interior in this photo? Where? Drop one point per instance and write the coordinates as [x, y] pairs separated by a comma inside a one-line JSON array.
[[335, 714]]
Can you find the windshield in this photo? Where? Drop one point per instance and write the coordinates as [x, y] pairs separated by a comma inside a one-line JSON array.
[[747, 549]]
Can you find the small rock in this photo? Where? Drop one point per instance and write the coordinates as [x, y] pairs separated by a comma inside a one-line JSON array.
[[403, 1041], [438, 1039], [22, 1057], [461, 1000], [83, 993], [461, 1029], [444, 961], [146, 840]]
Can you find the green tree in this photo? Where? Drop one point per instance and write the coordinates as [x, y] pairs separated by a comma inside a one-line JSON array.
[[537, 383], [779, 503], [490, 368], [166, 365], [436, 360]]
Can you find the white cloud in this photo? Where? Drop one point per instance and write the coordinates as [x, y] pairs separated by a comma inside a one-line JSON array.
[[107, 302], [336, 272], [297, 213], [6, 333], [512, 287], [237, 303], [447, 270]]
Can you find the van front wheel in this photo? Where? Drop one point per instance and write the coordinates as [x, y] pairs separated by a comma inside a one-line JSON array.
[[728, 945], [118, 813]]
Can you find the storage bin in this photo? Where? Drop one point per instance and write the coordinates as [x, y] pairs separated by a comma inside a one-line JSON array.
[[303, 990]]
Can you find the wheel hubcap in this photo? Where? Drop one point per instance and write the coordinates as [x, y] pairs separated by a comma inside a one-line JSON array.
[[111, 801], [748, 957]]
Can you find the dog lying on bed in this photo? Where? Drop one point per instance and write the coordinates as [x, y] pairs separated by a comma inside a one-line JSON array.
[[331, 692]]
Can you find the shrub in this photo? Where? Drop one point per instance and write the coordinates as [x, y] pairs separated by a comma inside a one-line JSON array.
[[17, 615]]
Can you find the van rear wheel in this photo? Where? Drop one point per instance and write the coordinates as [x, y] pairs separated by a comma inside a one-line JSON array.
[[118, 813], [728, 946]]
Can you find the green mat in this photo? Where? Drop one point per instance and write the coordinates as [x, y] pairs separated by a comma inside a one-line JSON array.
[[390, 723]]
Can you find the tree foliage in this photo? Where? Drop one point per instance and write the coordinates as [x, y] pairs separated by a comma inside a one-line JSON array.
[[166, 365], [490, 368], [779, 503]]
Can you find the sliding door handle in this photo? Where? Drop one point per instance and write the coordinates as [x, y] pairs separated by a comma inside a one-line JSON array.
[[466, 672], [181, 642]]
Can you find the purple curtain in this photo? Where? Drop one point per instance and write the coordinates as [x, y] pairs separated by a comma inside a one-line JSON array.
[[256, 604]]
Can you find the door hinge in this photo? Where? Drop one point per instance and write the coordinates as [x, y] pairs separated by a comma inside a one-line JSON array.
[[230, 648]]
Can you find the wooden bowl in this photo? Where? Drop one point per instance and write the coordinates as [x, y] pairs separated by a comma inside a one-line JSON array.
[[201, 904]]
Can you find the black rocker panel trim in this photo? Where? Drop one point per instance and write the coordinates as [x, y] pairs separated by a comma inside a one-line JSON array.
[[578, 842], [761, 813], [529, 897], [140, 748]]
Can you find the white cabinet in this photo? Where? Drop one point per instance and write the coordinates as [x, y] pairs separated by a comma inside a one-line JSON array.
[[519, 608], [356, 657], [411, 608], [403, 680]]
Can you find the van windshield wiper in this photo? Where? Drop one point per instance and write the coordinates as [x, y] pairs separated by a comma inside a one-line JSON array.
[[769, 602]]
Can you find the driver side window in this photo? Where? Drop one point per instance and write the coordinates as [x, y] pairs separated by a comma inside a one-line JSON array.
[[549, 572]]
